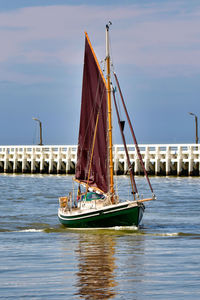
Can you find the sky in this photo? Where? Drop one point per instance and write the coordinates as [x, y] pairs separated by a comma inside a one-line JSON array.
[[155, 51]]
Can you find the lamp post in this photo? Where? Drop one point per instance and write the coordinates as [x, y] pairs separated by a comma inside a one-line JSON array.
[[196, 126], [40, 130]]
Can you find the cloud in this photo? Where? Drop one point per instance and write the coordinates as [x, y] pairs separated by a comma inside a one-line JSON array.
[[156, 37]]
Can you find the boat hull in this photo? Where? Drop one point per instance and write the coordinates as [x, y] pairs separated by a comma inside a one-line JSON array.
[[116, 215]]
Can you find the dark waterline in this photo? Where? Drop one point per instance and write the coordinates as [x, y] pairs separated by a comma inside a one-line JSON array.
[[40, 259]]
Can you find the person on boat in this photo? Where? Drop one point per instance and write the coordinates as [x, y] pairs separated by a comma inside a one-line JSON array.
[[78, 196], [79, 193]]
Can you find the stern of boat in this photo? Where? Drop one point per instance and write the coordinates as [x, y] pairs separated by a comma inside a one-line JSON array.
[[140, 212]]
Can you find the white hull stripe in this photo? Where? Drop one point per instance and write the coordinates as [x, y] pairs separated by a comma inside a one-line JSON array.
[[78, 218]]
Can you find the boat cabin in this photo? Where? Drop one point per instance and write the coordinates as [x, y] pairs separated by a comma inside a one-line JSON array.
[[92, 196]]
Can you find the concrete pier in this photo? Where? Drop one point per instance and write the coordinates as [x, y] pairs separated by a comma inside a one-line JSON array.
[[160, 159]]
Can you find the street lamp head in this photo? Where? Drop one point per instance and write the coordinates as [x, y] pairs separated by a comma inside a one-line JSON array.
[[35, 119], [192, 114]]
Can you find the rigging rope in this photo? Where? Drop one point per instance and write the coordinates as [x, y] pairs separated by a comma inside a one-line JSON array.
[[133, 135], [133, 184], [91, 157]]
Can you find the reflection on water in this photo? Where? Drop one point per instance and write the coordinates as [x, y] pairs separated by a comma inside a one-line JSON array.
[[95, 255], [40, 259], [131, 260]]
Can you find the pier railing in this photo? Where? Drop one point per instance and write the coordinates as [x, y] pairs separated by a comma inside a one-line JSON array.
[[159, 159]]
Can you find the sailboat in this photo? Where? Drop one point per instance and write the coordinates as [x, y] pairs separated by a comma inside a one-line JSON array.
[[96, 203]]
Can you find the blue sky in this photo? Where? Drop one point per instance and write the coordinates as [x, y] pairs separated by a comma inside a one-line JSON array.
[[155, 48]]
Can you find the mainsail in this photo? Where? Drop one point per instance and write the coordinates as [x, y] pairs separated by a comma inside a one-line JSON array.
[[93, 114]]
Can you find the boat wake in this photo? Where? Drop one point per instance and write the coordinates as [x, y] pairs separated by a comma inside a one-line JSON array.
[[107, 228], [29, 230], [167, 234], [117, 230]]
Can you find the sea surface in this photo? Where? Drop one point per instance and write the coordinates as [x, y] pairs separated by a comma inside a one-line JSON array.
[[40, 259]]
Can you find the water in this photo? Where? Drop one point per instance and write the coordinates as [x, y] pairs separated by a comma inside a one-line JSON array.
[[39, 259]]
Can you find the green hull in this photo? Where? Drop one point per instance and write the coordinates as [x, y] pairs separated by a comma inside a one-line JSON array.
[[120, 215]]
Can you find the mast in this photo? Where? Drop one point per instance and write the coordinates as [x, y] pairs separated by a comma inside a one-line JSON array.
[[111, 189]]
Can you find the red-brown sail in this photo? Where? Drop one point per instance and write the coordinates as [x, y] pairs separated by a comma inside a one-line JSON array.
[[94, 102]]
